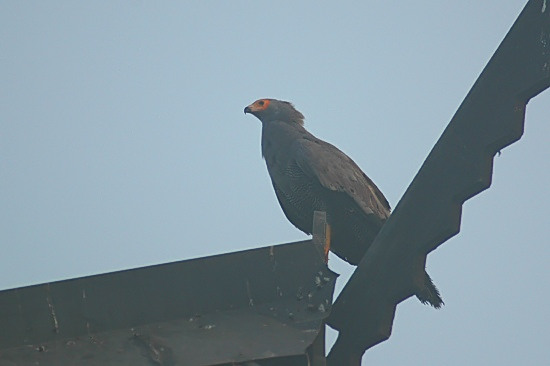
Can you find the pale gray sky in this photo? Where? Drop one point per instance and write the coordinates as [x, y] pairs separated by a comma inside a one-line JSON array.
[[123, 143]]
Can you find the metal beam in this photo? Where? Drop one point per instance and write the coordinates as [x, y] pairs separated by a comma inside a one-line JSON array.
[[458, 167]]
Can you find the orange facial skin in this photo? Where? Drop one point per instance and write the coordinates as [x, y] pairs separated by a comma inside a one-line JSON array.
[[259, 105]]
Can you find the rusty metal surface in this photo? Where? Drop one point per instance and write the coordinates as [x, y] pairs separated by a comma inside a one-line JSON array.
[[459, 166], [261, 304]]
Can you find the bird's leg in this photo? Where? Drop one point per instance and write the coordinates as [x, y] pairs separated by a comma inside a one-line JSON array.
[[327, 241], [321, 231]]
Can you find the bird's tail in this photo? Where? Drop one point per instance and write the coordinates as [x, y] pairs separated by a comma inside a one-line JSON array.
[[429, 294]]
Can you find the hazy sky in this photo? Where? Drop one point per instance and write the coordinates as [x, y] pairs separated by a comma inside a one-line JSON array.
[[123, 143]]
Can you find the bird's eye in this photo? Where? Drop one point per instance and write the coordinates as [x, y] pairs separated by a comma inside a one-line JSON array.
[[261, 103]]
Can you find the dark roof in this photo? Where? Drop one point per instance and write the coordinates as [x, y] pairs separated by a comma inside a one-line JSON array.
[[256, 304]]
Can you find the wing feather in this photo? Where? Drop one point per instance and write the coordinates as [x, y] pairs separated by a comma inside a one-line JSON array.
[[338, 172]]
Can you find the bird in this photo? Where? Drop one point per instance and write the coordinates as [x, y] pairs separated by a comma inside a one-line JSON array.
[[309, 174]]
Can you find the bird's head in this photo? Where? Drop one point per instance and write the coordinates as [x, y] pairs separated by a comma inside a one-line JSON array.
[[267, 110]]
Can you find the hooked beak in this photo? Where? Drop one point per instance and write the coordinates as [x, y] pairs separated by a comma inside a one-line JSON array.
[[247, 110]]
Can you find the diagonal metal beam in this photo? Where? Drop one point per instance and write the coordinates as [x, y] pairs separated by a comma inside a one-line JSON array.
[[458, 167]]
